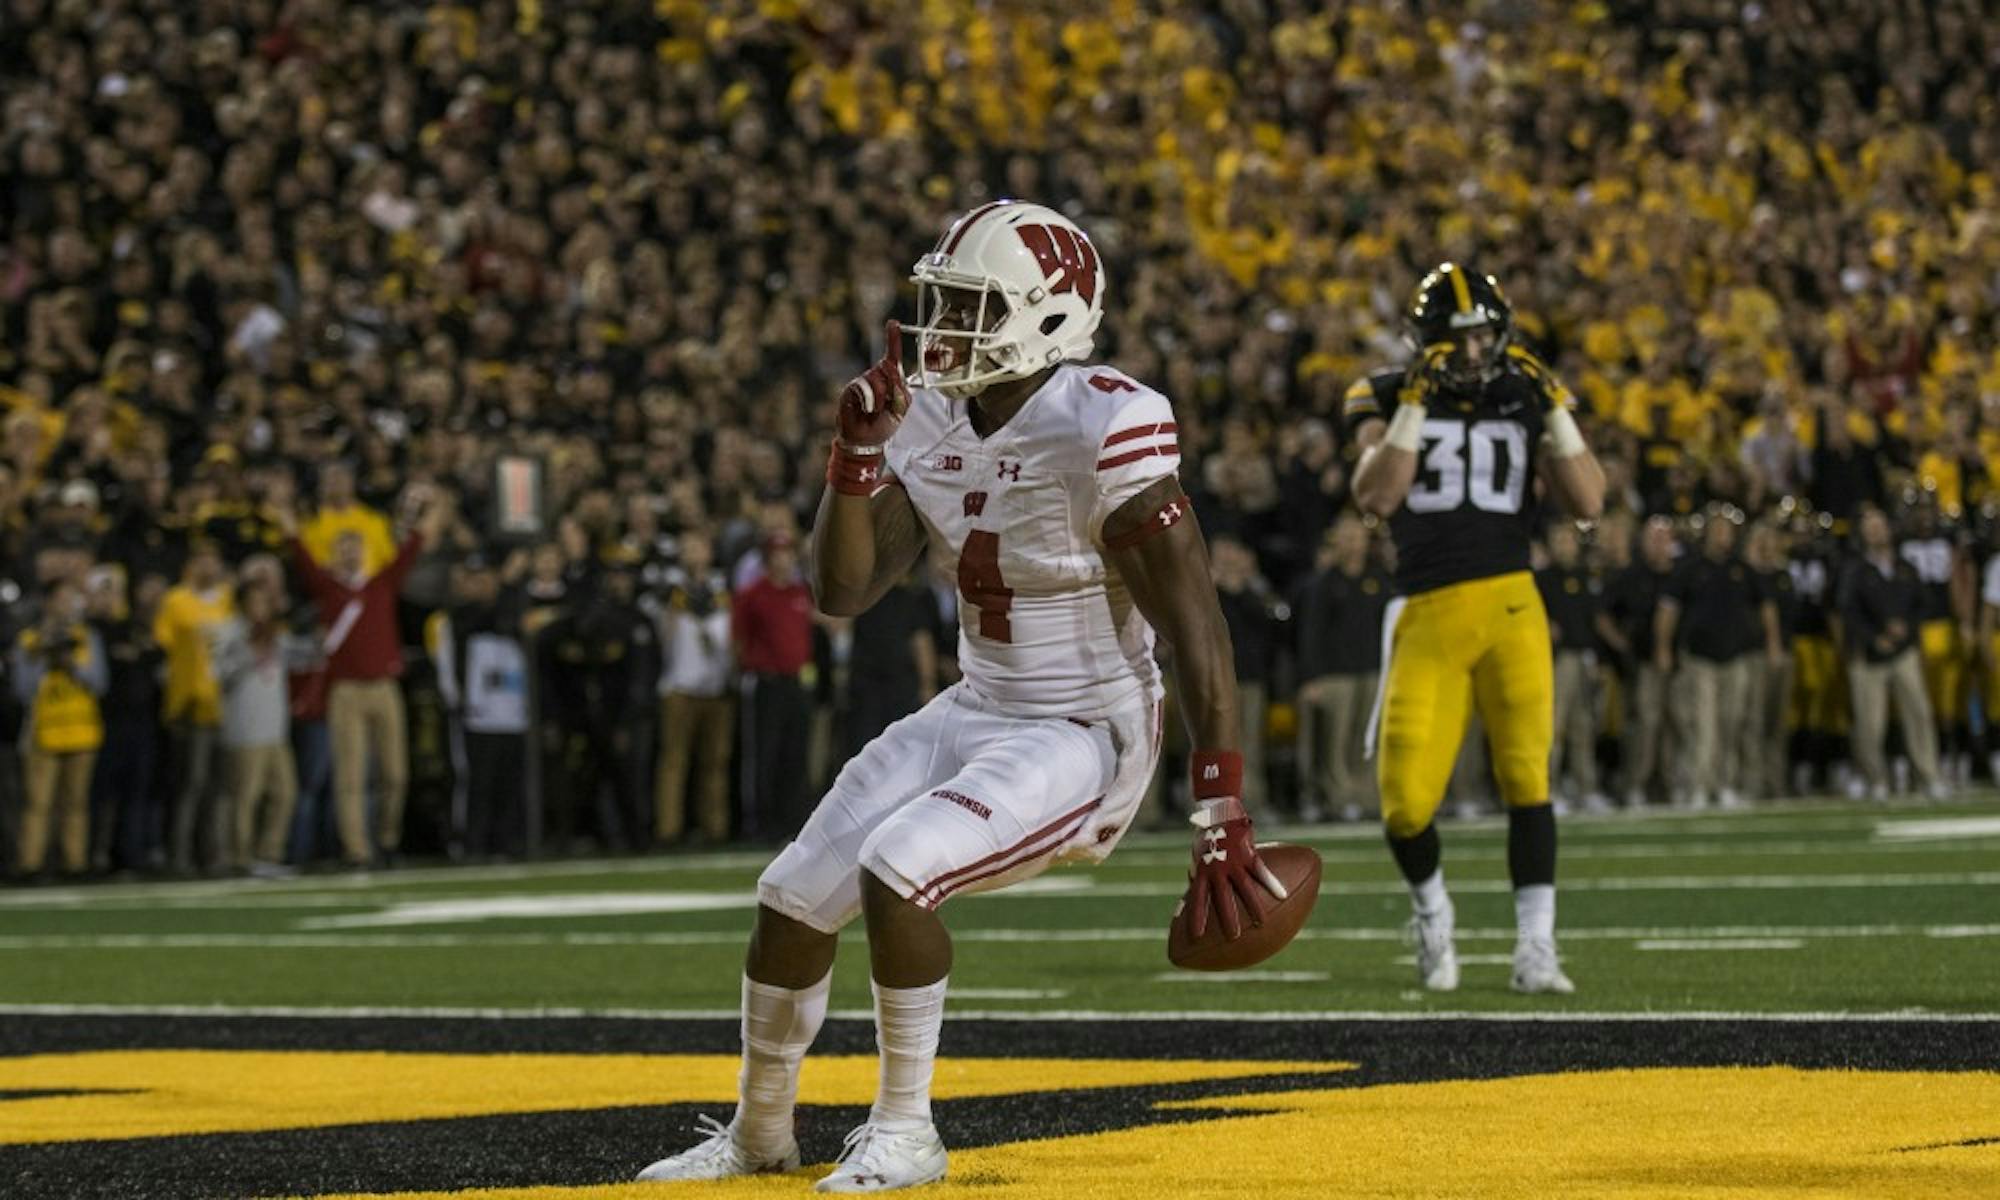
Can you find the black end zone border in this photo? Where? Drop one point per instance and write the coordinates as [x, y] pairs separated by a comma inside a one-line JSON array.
[[603, 1146]]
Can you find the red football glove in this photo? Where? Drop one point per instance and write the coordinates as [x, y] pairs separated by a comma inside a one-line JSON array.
[[866, 415], [1227, 872]]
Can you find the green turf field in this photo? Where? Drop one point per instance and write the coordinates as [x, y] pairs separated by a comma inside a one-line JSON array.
[[1817, 908]]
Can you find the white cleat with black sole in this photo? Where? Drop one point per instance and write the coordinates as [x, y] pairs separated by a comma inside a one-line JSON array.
[[1537, 970], [1437, 958], [719, 1157], [887, 1156]]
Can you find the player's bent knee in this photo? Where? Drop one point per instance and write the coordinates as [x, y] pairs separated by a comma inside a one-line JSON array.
[[1403, 820], [810, 889], [1523, 783], [888, 869]]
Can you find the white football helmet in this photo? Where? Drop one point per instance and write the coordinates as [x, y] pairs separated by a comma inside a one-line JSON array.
[[1011, 288]]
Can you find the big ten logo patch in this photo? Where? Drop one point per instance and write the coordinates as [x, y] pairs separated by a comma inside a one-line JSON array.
[[948, 462]]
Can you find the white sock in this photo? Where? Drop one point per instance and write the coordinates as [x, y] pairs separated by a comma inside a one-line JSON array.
[[1535, 911], [779, 1025], [1429, 897], [908, 1022]]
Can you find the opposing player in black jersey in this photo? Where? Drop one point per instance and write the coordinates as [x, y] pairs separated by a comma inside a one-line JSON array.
[[1452, 447]]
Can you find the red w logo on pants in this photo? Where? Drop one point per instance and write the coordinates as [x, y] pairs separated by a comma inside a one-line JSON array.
[[1067, 258]]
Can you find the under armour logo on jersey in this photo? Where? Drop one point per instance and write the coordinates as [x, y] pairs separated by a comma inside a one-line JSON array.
[[1215, 852], [975, 503], [1010, 471], [1168, 516]]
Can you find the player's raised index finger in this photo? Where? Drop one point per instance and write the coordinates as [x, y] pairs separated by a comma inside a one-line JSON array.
[[892, 332]]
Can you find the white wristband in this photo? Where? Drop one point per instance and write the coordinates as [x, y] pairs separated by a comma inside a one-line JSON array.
[[1565, 439], [1406, 428]]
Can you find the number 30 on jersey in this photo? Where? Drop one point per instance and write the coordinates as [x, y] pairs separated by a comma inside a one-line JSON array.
[[1485, 462]]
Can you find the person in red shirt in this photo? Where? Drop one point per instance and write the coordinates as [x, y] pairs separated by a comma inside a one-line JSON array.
[[364, 668], [772, 623]]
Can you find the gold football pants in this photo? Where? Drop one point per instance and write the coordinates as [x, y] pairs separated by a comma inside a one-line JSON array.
[[1482, 643]]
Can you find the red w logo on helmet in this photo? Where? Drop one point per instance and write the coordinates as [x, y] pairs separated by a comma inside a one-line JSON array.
[[1064, 251]]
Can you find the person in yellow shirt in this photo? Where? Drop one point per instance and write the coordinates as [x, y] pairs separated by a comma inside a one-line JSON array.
[[191, 616], [341, 511], [59, 672]]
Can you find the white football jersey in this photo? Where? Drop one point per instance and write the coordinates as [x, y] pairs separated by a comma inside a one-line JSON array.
[[1046, 628]]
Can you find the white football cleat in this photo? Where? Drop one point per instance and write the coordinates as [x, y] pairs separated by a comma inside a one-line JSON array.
[[886, 1156], [1537, 970], [1437, 958], [718, 1157]]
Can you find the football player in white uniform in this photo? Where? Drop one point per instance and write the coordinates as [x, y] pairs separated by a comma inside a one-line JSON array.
[[1050, 487]]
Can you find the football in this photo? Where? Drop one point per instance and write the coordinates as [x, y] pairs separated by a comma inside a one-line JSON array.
[[1297, 868]]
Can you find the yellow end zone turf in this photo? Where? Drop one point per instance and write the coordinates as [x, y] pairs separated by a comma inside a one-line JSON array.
[[1717, 1134], [166, 1093]]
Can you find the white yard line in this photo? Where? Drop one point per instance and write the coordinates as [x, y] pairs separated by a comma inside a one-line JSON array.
[[1002, 993], [735, 938], [1938, 829], [1705, 944], [1025, 1014]]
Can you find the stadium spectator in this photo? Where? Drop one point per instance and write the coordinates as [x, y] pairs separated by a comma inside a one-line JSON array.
[[339, 512], [365, 715], [1626, 625], [190, 615], [126, 823], [600, 661], [1767, 699], [891, 663], [1339, 618], [697, 698], [482, 663], [58, 674], [253, 658], [1712, 617], [1573, 594], [1880, 604], [1247, 607], [772, 630]]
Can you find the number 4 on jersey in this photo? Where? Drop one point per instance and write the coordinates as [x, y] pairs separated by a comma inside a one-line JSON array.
[[979, 581]]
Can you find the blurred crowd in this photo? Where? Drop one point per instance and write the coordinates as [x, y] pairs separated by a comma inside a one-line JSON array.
[[451, 379]]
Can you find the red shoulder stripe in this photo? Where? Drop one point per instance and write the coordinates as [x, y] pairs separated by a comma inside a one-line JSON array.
[[1139, 431], [1169, 450]]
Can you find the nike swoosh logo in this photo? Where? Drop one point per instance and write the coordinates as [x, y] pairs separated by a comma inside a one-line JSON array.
[[1514, 608]]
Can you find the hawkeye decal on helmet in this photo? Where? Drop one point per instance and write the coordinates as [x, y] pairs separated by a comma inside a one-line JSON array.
[[1450, 305]]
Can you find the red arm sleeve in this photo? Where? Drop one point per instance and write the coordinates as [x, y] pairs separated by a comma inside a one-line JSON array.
[[406, 557], [317, 582]]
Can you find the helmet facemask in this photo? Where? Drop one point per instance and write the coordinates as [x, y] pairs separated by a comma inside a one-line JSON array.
[[1463, 370], [962, 345]]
